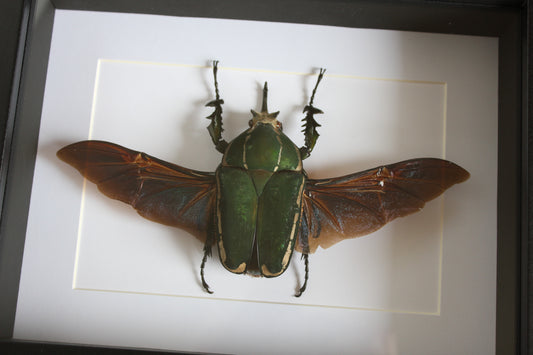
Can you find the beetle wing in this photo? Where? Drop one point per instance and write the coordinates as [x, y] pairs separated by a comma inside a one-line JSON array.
[[358, 204], [160, 191]]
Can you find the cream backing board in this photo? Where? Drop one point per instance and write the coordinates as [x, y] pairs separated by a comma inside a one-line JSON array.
[[96, 272]]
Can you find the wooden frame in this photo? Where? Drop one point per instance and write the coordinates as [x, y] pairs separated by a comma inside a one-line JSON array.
[[488, 18]]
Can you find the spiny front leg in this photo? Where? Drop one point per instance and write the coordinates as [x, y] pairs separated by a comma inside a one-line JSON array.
[[310, 124], [215, 127]]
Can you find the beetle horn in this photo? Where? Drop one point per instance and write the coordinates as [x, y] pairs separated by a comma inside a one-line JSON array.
[[264, 108]]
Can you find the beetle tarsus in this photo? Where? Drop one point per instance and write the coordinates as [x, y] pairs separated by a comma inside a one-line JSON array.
[[215, 127], [310, 124], [320, 76], [207, 252], [306, 277]]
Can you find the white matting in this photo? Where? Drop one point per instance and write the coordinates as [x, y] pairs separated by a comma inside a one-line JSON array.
[[96, 272]]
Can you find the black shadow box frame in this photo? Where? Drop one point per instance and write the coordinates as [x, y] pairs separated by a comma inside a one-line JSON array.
[[26, 34]]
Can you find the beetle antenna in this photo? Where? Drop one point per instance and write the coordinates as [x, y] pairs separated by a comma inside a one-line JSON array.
[[264, 108], [207, 251], [306, 261]]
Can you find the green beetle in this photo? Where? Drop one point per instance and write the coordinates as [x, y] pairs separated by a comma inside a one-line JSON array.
[[260, 185], [260, 206], [259, 192]]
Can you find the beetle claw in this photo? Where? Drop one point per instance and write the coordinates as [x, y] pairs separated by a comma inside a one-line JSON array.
[[206, 286], [302, 289], [207, 252]]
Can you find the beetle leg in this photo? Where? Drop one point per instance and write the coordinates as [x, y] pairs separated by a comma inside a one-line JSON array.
[[306, 261], [215, 127], [207, 252], [310, 124]]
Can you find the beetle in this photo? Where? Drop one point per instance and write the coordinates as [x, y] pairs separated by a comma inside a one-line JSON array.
[[259, 206]]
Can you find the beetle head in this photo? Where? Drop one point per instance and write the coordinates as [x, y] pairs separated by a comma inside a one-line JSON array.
[[264, 117]]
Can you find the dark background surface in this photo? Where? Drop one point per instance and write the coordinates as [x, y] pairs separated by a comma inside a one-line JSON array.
[[10, 19], [509, 20]]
